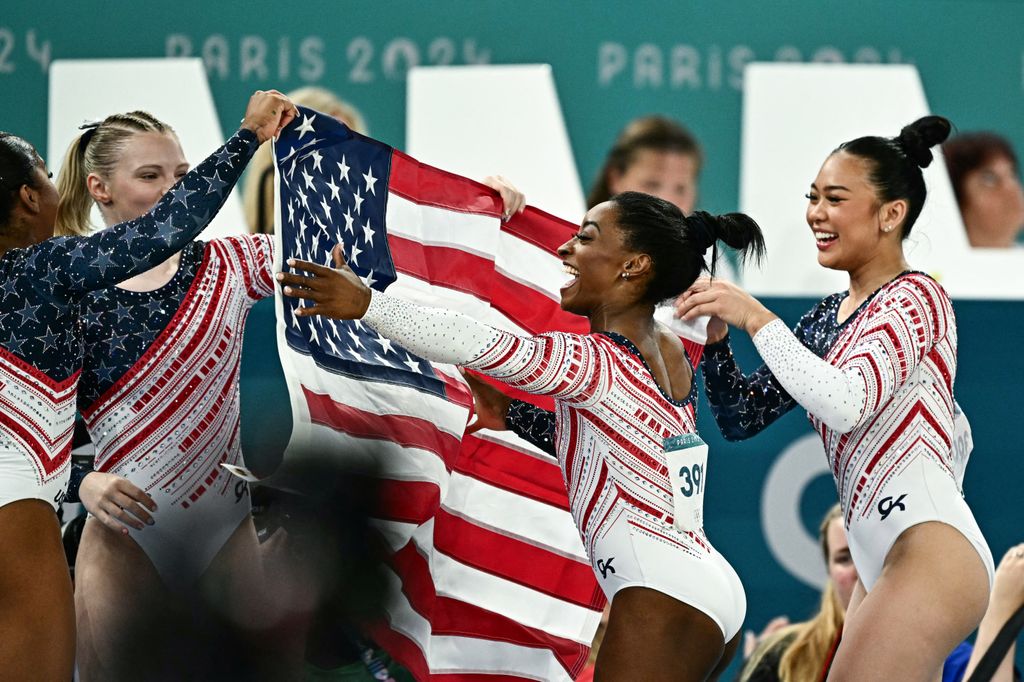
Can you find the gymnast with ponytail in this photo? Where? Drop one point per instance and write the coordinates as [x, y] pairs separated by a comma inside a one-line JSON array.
[[874, 367], [624, 408]]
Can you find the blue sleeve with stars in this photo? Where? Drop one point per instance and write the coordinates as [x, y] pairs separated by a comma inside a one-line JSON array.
[[532, 424], [745, 405], [82, 264]]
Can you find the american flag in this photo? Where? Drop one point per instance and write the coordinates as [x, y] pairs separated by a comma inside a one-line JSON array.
[[489, 579]]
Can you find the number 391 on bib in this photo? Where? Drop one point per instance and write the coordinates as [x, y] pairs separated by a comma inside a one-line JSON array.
[[686, 456]]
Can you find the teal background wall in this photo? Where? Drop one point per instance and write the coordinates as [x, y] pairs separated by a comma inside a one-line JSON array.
[[611, 62]]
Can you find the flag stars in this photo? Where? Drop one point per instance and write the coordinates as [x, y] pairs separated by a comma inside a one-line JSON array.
[[317, 158], [368, 233], [180, 195], [353, 253], [370, 181], [334, 189], [385, 344], [411, 364], [327, 210], [343, 168], [359, 201], [309, 180], [349, 222], [306, 126], [356, 341]]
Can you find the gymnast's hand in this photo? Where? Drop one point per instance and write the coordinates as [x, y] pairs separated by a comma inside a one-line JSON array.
[[116, 501], [725, 301], [489, 405], [267, 113], [513, 201], [338, 293]]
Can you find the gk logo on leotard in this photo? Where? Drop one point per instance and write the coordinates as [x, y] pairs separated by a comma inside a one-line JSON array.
[[605, 566], [886, 505]]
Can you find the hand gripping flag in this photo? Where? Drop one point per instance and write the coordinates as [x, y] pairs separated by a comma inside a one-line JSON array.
[[487, 573]]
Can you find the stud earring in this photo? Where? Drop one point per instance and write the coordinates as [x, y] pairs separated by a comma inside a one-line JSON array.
[[625, 275], [887, 228]]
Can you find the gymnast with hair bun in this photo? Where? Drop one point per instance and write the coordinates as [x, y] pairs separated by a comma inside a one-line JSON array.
[[874, 366]]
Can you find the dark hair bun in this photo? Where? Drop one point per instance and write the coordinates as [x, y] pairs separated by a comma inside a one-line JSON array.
[[917, 139]]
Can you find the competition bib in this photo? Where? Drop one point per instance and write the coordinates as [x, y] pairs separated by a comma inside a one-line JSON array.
[[963, 443], [686, 456]]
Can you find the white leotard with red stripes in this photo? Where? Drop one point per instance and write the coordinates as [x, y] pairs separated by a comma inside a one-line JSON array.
[[172, 419], [612, 420]]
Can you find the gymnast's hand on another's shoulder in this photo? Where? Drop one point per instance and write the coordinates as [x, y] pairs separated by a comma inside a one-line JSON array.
[[336, 293], [116, 502]]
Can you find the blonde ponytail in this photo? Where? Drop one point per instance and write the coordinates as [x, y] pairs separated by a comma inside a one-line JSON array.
[[75, 200]]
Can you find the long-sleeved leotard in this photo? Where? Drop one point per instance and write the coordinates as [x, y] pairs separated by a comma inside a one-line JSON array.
[[879, 391], [41, 288], [611, 423], [160, 396]]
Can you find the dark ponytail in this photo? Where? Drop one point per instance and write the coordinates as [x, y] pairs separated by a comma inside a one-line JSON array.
[[896, 162], [18, 161], [677, 243]]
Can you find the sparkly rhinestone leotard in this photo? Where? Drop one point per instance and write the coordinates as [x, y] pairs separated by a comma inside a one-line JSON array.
[[878, 388], [612, 419], [41, 288], [159, 394]]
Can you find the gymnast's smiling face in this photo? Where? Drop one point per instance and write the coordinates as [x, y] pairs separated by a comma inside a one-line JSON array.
[[148, 166], [594, 260]]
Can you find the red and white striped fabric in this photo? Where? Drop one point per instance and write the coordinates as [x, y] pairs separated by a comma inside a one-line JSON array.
[[490, 579]]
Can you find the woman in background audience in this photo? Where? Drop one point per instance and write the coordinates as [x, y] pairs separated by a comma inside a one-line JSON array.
[[802, 651], [654, 155], [986, 180]]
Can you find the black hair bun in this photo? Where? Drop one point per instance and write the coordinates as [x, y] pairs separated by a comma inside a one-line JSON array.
[[917, 139]]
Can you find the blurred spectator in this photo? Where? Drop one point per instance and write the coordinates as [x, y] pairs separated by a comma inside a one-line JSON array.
[[258, 188], [655, 155], [1006, 600], [800, 652], [986, 180]]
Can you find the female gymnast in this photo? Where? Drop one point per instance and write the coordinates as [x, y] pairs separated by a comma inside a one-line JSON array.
[[42, 282], [874, 368], [159, 395], [168, 341], [620, 392]]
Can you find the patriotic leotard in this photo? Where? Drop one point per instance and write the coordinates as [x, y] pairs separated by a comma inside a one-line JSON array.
[[878, 388], [41, 288], [612, 419], [159, 394]]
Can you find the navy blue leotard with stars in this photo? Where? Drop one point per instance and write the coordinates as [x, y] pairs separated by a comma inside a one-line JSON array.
[[41, 288]]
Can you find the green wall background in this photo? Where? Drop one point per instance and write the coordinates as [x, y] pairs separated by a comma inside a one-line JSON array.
[[682, 58]]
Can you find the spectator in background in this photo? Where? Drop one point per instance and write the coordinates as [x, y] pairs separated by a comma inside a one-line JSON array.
[[655, 155], [800, 652], [986, 180], [258, 188], [1007, 598]]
